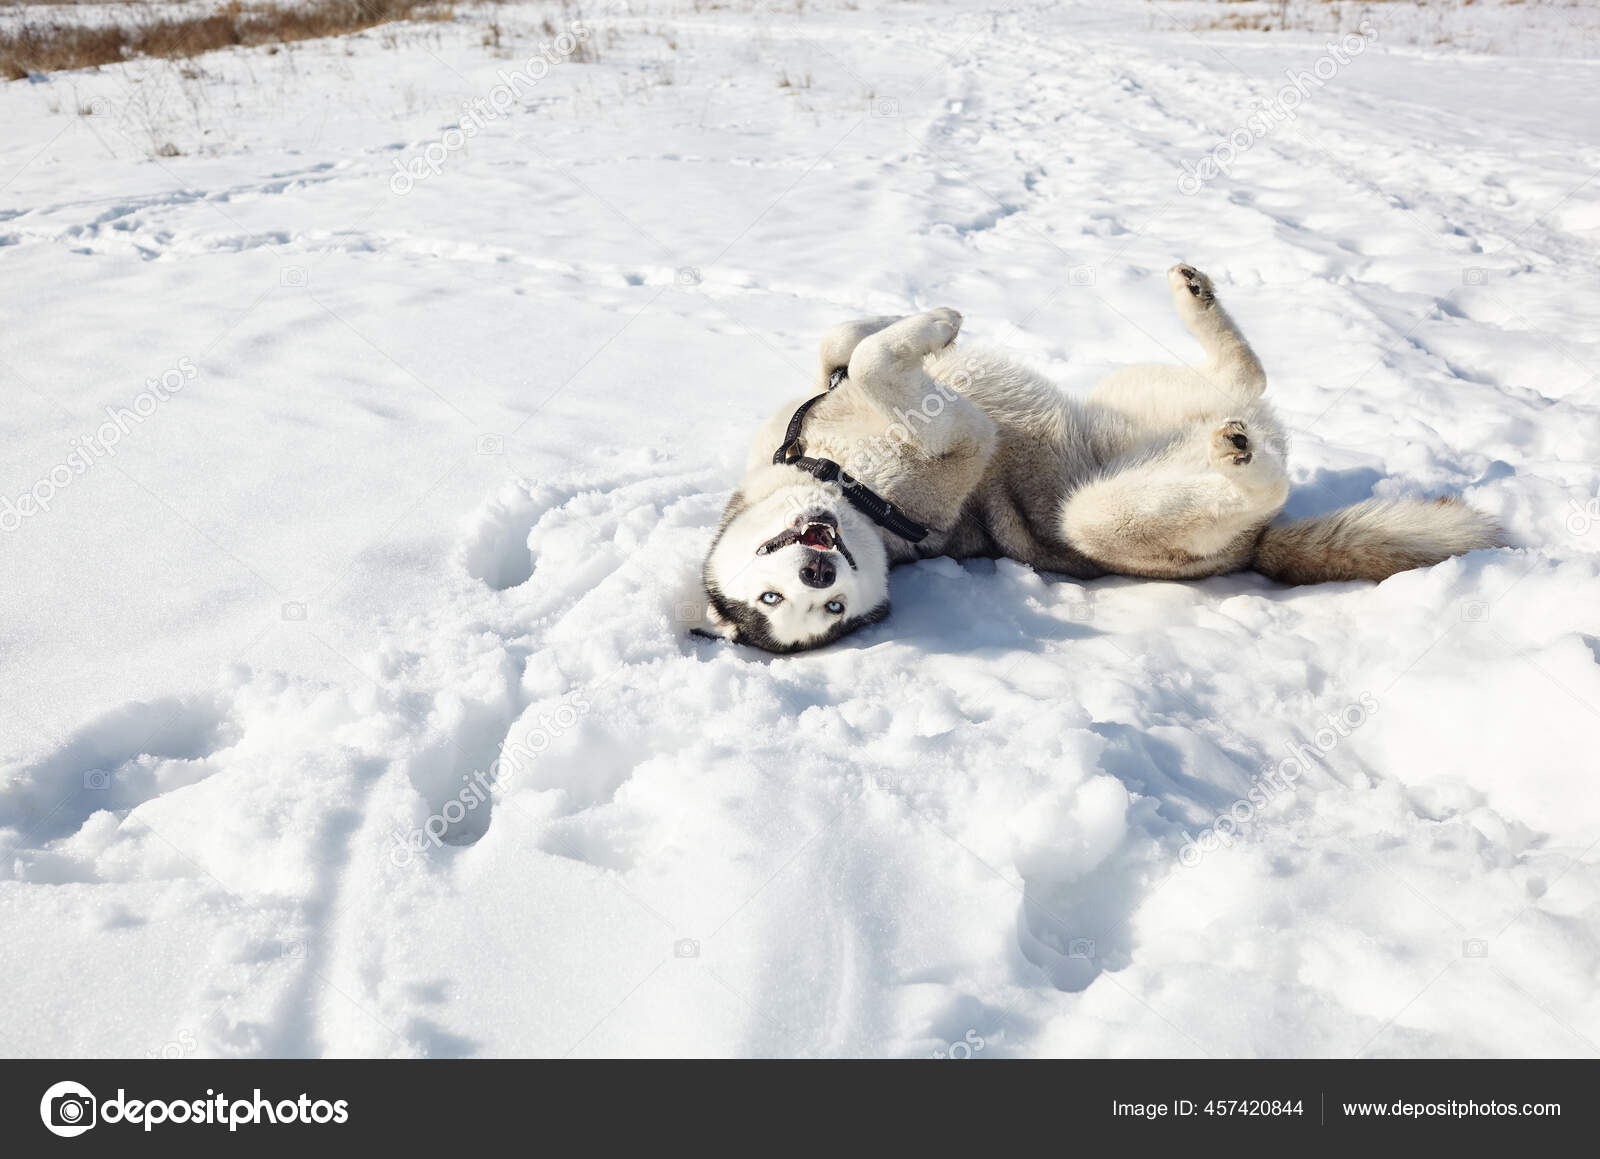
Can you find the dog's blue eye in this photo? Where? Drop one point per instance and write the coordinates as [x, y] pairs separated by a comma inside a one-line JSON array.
[[771, 598], [834, 606]]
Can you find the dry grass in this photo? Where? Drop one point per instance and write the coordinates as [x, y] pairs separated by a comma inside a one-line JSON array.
[[53, 46]]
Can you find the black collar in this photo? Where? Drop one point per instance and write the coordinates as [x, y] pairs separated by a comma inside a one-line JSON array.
[[863, 498]]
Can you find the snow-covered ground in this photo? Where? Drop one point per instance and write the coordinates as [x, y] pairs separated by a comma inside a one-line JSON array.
[[437, 453]]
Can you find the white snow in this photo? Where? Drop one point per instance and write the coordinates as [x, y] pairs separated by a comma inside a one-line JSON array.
[[444, 469]]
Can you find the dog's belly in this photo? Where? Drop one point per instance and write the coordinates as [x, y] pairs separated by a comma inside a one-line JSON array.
[[1046, 445], [1012, 513], [995, 525]]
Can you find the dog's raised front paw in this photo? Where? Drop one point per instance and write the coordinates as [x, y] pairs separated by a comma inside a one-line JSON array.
[[946, 324], [926, 333]]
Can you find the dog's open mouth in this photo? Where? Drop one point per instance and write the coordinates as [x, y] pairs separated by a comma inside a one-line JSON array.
[[820, 536], [818, 532]]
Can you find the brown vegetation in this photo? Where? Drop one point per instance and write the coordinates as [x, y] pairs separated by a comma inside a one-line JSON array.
[[47, 47]]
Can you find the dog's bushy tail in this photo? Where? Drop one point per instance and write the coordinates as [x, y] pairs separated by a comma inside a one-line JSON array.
[[1372, 540]]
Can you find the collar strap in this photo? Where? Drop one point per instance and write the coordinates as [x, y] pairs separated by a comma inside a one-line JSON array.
[[863, 498]]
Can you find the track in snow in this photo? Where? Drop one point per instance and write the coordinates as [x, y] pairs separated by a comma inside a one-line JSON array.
[[479, 435]]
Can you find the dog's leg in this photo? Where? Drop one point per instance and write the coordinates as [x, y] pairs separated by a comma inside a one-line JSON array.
[[1228, 356], [888, 369], [840, 343], [1189, 508], [926, 444], [1158, 395]]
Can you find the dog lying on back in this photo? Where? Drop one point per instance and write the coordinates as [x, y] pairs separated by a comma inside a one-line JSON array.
[[913, 449]]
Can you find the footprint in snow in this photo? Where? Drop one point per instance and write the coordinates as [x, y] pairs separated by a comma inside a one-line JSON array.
[[117, 762]]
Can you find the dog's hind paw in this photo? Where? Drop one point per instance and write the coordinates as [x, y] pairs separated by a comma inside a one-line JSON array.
[[1189, 283], [1230, 445]]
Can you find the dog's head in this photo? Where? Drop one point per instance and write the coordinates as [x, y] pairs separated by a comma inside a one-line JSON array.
[[795, 570]]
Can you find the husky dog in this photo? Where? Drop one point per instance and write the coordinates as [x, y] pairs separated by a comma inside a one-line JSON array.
[[1168, 472]]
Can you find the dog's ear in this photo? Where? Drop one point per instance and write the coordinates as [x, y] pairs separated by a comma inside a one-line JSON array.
[[715, 626]]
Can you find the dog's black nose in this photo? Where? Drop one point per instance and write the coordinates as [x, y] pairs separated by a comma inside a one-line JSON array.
[[817, 572]]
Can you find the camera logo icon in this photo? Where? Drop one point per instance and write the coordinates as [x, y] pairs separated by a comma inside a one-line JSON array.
[[68, 1109], [1474, 611], [885, 107], [1583, 517], [1474, 276], [686, 948], [97, 779], [1080, 276], [294, 611], [292, 276], [1474, 948], [1080, 948], [687, 276]]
